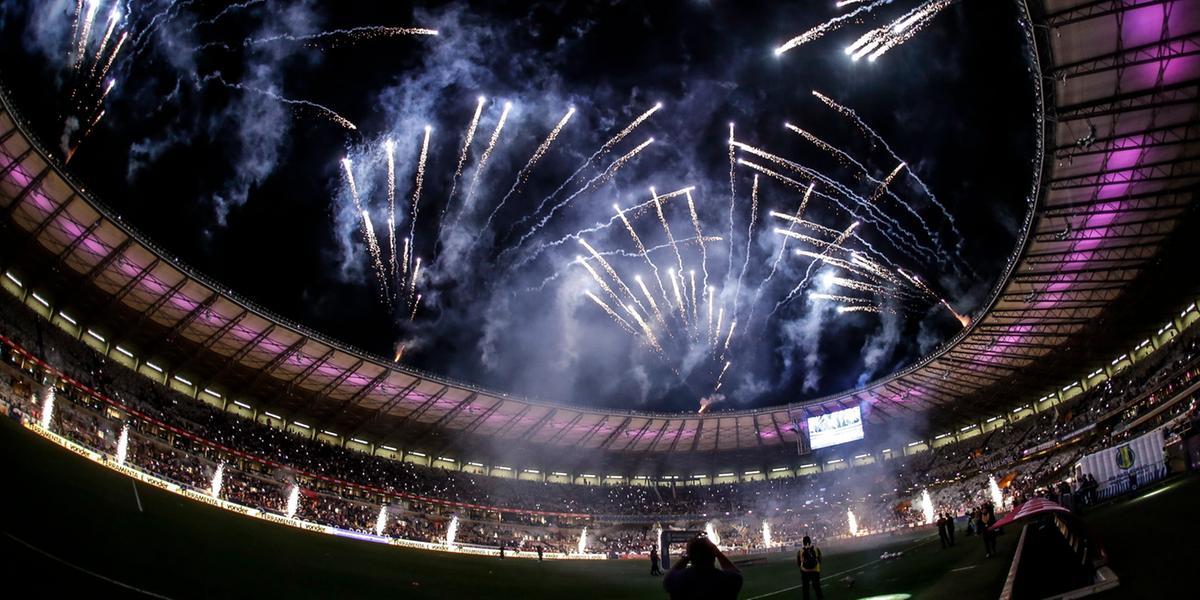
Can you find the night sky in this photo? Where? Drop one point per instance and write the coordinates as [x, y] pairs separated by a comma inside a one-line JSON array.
[[250, 190]]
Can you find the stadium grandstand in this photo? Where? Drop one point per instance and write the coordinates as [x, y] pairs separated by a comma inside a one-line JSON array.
[[167, 436]]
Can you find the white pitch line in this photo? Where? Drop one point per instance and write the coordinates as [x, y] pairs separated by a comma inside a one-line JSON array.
[[838, 574]]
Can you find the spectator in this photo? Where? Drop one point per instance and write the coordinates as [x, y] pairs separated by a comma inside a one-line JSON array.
[[702, 580], [809, 561]]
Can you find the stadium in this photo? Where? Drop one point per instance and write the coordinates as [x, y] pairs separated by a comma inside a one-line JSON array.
[[993, 394]]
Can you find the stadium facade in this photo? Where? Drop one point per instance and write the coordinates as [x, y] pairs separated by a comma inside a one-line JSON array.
[[1117, 98]]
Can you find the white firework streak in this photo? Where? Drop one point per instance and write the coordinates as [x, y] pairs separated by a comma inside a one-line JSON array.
[[729, 337], [389, 148], [229, 9], [874, 136], [901, 30], [376, 255], [416, 272], [722, 375], [85, 32], [483, 160], [681, 305], [354, 34], [838, 298], [405, 257], [711, 291], [75, 28], [637, 242], [858, 308], [699, 236], [695, 307], [604, 149], [666, 228], [886, 180], [823, 256], [653, 305], [788, 233], [798, 217], [737, 294], [615, 317], [523, 174], [111, 57], [845, 3], [347, 167], [882, 185], [653, 341], [829, 26], [605, 175], [599, 280], [611, 272], [720, 319], [462, 155], [732, 198], [113, 17], [321, 109], [900, 237], [419, 183], [595, 227]]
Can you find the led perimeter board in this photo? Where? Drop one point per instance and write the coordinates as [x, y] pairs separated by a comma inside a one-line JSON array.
[[835, 428]]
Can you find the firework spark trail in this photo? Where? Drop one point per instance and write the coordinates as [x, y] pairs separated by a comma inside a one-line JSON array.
[[662, 219], [653, 341], [336, 36], [605, 175], [837, 298], [75, 26], [419, 183], [616, 318], [799, 216], [168, 13], [845, 3], [83, 136], [389, 148], [85, 32], [405, 257], [483, 160], [227, 10], [847, 159], [838, 153], [321, 109], [709, 308], [595, 227], [737, 294], [416, 272], [720, 320], [729, 337], [817, 258], [599, 280], [680, 304], [874, 136], [653, 305], [347, 168], [722, 375], [637, 241], [883, 185], [376, 255], [604, 149], [695, 307], [788, 233], [900, 237], [611, 272], [699, 237], [462, 154], [829, 26], [111, 57], [882, 39], [113, 17], [858, 308], [523, 174], [732, 197]]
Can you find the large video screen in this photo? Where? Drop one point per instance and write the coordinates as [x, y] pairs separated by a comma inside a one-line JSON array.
[[835, 428]]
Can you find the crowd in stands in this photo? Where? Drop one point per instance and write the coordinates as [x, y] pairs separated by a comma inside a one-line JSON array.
[[183, 440]]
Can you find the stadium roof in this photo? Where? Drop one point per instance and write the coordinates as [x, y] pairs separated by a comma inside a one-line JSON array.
[[1118, 99]]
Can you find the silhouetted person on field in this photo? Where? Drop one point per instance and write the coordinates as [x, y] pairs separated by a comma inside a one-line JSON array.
[[942, 535], [809, 561], [539, 553], [703, 580], [654, 570], [950, 527]]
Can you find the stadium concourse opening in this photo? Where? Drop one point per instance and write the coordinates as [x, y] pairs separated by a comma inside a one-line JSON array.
[[874, 300]]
